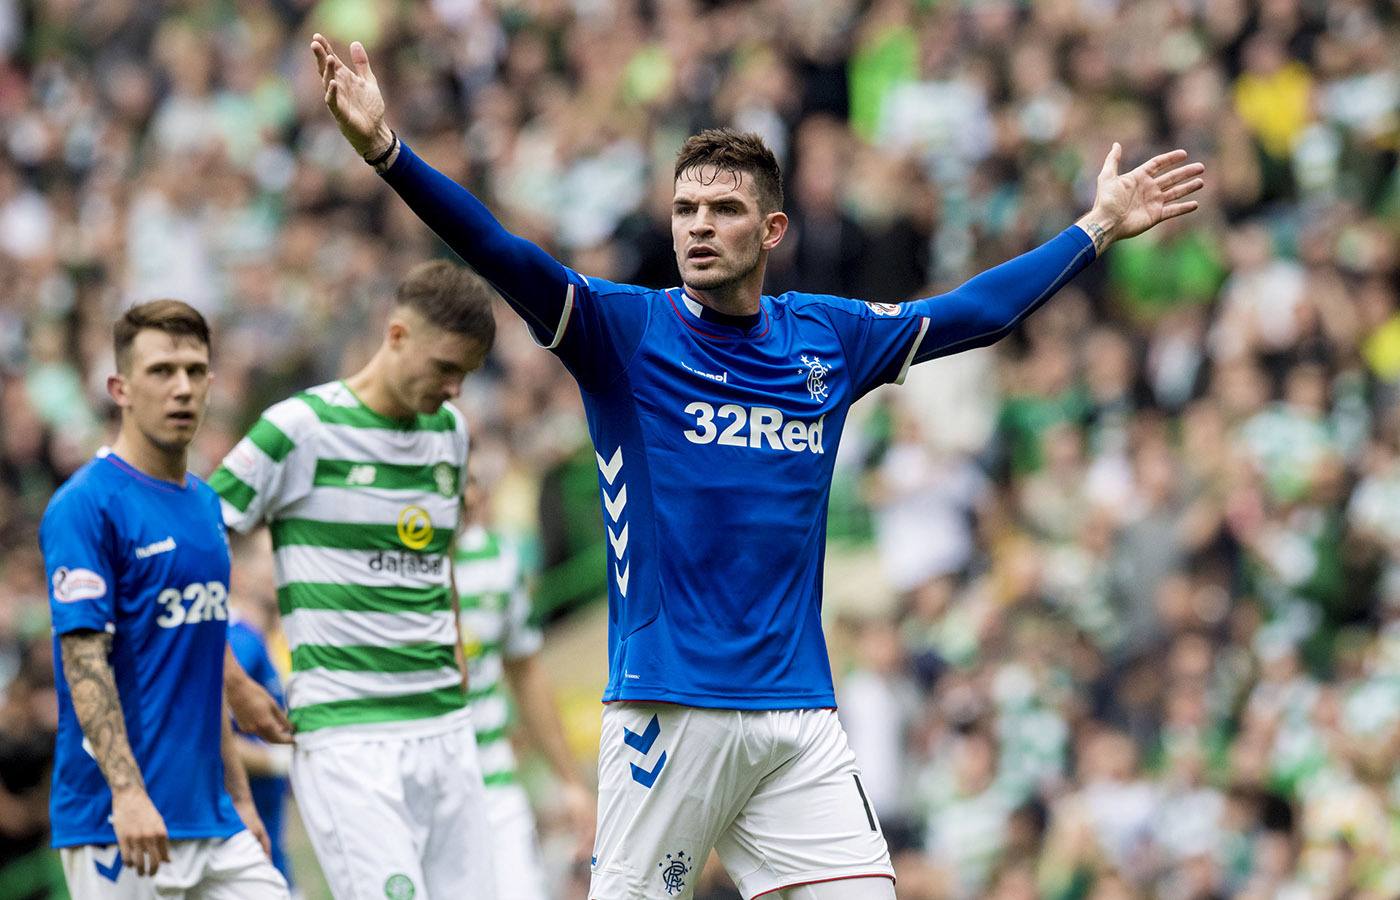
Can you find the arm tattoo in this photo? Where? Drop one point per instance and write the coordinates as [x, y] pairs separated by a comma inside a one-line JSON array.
[[98, 706], [1097, 235]]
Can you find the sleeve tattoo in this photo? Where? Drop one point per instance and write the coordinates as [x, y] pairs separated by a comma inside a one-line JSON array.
[[98, 706]]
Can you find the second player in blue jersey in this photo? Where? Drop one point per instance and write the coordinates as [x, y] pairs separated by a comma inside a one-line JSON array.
[[148, 796]]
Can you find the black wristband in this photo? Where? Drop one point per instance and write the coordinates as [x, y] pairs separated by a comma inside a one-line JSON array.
[[378, 161]]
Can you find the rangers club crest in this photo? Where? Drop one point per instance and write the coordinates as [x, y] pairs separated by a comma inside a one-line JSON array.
[[673, 872], [816, 372]]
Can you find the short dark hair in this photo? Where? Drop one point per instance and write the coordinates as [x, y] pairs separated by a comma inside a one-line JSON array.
[[739, 152], [452, 297], [174, 317]]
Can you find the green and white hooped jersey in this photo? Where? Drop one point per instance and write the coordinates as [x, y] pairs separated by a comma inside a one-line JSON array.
[[495, 627], [362, 509]]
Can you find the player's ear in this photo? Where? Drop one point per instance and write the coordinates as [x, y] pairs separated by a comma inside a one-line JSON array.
[[397, 333], [775, 225], [116, 389]]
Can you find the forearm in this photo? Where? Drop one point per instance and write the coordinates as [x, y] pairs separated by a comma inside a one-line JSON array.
[[534, 698], [234, 676], [235, 778], [531, 281], [986, 308], [99, 708]]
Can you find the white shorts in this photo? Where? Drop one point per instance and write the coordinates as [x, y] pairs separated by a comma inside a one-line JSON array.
[[235, 868], [776, 793], [519, 870], [401, 817]]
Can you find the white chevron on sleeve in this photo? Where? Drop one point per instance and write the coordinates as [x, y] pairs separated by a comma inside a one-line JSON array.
[[616, 504], [618, 541], [612, 466], [624, 575]]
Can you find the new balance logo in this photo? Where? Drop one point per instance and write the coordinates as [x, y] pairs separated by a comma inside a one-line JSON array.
[[360, 475], [150, 550]]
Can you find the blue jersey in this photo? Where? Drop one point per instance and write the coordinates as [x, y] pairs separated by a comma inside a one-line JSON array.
[[716, 438], [269, 791], [715, 445], [147, 562]]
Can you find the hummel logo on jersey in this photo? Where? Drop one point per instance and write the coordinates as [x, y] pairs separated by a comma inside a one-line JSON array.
[[765, 426], [150, 550], [816, 372], [722, 377]]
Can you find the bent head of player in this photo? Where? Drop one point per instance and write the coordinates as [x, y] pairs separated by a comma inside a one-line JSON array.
[[161, 384], [726, 216], [440, 329]]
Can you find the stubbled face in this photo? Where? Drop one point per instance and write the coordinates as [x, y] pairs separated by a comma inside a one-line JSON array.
[[164, 387], [717, 227], [429, 363]]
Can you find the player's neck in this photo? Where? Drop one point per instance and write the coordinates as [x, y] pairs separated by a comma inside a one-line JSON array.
[[371, 387], [738, 299], [143, 455]]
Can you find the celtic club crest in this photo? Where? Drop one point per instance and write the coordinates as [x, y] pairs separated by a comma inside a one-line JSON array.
[[446, 478], [399, 887], [673, 871], [816, 372]]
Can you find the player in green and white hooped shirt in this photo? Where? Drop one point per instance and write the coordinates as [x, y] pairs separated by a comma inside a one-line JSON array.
[[359, 482], [502, 651]]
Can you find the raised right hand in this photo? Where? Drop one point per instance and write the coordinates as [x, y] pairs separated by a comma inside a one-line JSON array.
[[141, 833], [353, 97]]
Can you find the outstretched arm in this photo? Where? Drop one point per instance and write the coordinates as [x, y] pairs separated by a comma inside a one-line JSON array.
[[989, 306], [141, 833], [531, 281]]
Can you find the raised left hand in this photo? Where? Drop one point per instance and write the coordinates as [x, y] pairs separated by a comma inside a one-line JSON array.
[[1126, 205]]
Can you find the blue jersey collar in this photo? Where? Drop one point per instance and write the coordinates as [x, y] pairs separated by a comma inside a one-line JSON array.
[[708, 323]]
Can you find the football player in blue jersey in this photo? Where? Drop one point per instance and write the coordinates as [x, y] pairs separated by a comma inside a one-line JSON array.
[[716, 412], [148, 796]]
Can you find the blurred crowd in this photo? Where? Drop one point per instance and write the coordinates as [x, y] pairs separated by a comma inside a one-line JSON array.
[[1136, 626]]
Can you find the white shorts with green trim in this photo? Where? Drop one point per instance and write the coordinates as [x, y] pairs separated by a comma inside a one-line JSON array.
[[776, 793], [397, 817]]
